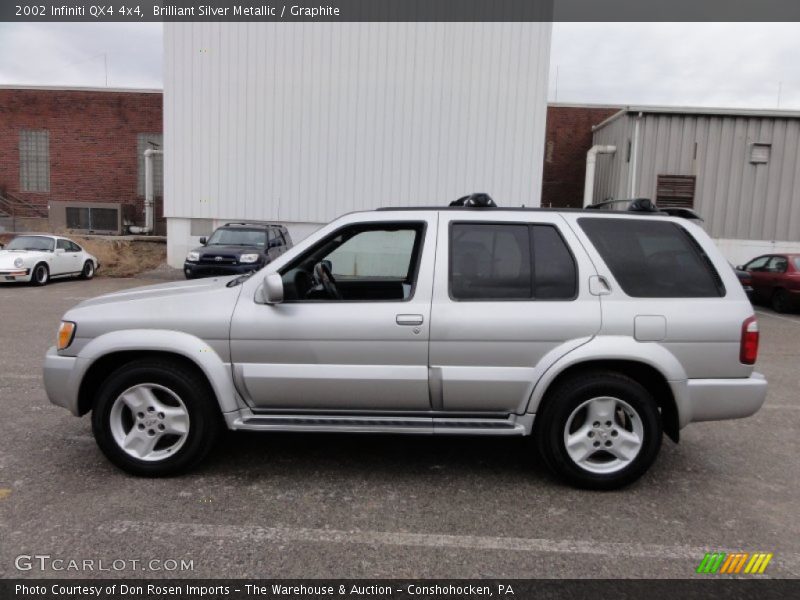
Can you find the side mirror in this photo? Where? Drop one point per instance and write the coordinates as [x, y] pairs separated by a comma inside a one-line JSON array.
[[740, 268], [203, 240], [59, 251], [271, 290]]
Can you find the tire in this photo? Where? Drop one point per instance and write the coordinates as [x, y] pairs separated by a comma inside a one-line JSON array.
[[88, 270], [780, 301], [170, 418], [40, 275], [583, 404]]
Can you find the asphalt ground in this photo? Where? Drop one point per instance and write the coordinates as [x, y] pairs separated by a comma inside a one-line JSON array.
[[292, 505]]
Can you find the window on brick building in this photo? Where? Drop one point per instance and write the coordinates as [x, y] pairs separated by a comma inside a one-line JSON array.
[[34, 160], [154, 141]]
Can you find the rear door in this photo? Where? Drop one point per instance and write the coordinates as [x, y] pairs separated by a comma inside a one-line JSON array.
[[510, 293]]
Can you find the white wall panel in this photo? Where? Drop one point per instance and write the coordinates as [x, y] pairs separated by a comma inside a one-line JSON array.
[[302, 122]]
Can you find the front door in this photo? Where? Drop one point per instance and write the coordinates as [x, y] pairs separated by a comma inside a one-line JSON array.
[[352, 332]]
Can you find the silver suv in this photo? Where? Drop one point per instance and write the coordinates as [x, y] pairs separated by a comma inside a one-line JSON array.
[[592, 331]]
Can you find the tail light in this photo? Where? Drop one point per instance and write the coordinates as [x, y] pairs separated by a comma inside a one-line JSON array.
[[748, 348]]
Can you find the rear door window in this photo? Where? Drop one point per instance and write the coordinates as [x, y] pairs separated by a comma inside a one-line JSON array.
[[498, 261], [653, 258]]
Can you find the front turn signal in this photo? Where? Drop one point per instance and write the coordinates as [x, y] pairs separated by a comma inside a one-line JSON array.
[[66, 332]]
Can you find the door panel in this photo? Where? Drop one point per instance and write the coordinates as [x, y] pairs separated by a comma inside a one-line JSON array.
[[338, 355], [489, 352]]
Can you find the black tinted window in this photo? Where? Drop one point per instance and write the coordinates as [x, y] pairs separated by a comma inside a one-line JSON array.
[[509, 262], [653, 259]]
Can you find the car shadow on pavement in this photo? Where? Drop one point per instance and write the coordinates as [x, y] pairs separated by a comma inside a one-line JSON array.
[[258, 455]]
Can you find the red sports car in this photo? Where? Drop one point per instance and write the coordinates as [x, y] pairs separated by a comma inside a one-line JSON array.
[[776, 280]]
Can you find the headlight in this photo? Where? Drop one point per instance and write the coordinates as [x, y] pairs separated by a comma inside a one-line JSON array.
[[18, 262], [193, 256], [248, 258], [66, 331]]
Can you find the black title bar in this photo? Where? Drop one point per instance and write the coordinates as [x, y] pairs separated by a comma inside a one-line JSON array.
[[136, 11], [349, 589]]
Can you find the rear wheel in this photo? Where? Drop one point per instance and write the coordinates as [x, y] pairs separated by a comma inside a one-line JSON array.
[[154, 418], [780, 301], [599, 430], [40, 275], [88, 270]]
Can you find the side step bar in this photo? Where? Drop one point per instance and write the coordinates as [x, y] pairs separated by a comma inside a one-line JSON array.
[[512, 425]]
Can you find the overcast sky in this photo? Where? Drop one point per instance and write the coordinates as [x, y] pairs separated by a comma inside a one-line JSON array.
[[695, 64]]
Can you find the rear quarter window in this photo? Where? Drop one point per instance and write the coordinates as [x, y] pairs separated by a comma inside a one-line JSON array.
[[653, 258]]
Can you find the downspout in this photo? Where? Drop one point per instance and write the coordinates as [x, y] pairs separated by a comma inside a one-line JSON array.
[[634, 159], [591, 162], [149, 193]]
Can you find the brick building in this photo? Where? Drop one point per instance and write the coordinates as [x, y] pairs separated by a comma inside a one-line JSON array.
[[76, 145], [86, 145], [567, 140]]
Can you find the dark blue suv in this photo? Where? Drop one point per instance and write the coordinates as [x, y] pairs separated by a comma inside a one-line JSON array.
[[237, 248]]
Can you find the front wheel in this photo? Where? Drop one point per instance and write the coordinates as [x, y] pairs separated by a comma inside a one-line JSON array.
[[40, 275], [600, 430], [155, 418], [780, 301]]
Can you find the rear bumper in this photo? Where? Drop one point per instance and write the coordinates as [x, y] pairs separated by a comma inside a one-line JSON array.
[[720, 399], [62, 377]]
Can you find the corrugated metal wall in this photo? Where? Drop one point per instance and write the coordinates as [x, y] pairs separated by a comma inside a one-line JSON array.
[[305, 121], [737, 198]]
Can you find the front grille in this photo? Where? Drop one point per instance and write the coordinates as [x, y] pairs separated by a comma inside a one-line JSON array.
[[211, 259]]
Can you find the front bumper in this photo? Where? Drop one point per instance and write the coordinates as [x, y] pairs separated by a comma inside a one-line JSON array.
[[62, 379], [720, 399], [197, 270], [15, 275]]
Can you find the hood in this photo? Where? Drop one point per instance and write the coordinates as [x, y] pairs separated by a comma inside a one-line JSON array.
[[201, 307], [7, 256]]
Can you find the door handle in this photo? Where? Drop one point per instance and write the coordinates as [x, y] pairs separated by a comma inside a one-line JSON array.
[[409, 319]]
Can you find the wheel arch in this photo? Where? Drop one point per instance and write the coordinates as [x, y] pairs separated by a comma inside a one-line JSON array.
[[107, 353], [655, 369]]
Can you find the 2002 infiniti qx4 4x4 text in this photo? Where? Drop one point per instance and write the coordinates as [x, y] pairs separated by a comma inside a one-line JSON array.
[[595, 332]]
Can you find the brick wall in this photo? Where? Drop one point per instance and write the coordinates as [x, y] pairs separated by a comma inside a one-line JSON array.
[[568, 139], [93, 138]]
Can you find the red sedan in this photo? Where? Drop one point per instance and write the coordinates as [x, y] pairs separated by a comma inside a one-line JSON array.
[[776, 280]]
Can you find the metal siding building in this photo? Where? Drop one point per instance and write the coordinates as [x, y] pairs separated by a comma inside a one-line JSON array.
[[302, 122], [745, 165]]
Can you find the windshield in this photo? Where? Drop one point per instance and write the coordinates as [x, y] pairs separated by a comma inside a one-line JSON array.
[[238, 237], [31, 242], [797, 262]]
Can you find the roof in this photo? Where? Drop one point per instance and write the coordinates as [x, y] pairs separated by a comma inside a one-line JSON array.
[[52, 88], [768, 113]]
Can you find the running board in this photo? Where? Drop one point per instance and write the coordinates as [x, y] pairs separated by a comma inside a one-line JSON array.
[[512, 425]]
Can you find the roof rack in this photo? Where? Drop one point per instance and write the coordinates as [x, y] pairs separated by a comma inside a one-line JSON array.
[[645, 205], [249, 223], [477, 200]]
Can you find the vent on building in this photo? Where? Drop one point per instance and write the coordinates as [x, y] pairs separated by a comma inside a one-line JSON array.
[[90, 217], [675, 190], [759, 153]]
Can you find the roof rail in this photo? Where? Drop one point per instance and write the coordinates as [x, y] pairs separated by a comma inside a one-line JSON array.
[[645, 205]]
